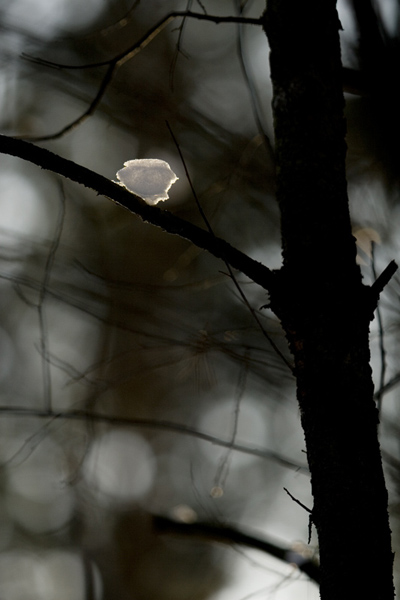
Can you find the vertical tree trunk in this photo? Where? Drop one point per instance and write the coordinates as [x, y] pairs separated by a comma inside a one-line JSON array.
[[323, 305]]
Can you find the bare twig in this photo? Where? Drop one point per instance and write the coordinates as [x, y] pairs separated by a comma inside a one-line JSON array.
[[230, 535], [223, 467], [310, 517], [389, 385], [89, 111], [81, 415], [298, 501], [383, 279], [228, 266], [178, 49], [379, 393], [44, 342], [117, 61], [250, 86]]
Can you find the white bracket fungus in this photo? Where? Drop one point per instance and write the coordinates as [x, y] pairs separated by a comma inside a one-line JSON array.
[[149, 178]]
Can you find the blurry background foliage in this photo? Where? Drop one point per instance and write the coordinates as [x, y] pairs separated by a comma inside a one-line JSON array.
[[103, 314]]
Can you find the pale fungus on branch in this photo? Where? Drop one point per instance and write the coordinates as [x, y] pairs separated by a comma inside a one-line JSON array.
[[149, 178]]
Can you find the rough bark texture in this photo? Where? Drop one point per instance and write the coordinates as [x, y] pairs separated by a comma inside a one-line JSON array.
[[323, 305]]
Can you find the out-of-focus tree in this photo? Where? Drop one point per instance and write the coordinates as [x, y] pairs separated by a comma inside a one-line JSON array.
[[139, 377]]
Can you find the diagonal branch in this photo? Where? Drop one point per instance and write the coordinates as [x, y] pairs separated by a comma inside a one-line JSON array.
[[170, 223], [153, 424], [382, 281], [231, 535], [117, 61]]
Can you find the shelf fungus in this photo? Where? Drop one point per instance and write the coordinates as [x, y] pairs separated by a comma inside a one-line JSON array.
[[149, 178]]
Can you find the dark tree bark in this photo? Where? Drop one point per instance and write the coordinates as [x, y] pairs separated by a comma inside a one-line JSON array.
[[323, 305]]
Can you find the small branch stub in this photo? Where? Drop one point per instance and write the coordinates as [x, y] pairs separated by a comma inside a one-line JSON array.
[[383, 279]]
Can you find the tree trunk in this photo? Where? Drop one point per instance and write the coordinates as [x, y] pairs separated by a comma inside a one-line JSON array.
[[323, 305]]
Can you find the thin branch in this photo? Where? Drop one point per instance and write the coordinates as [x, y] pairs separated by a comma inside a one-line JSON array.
[[223, 467], [389, 385], [380, 393], [251, 88], [380, 283], [83, 299], [298, 501], [148, 37], [81, 415], [170, 223], [190, 182], [44, 342], [228, 266], [310, 518], [178, 49], [230, 535], [117, 61], [153, 32], [79, 120]]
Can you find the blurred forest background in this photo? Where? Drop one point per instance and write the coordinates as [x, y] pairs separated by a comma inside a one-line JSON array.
[[128, 356]]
